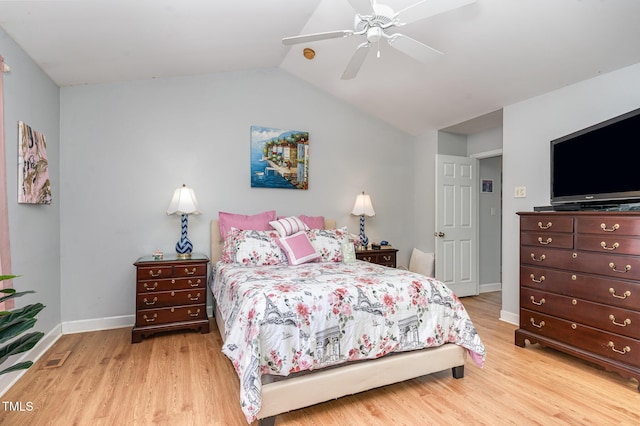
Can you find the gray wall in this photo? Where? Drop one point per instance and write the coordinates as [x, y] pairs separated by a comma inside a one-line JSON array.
[[528, 128], [490, 222], [34, 230], [127, 146]]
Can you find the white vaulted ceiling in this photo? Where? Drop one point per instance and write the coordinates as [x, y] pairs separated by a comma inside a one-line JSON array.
[[497, 52]]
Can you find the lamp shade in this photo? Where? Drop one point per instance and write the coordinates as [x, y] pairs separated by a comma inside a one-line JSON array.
[[184, 201], [363, 206]]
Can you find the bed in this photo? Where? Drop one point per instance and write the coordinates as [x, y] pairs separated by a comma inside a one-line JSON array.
[[260, 308]]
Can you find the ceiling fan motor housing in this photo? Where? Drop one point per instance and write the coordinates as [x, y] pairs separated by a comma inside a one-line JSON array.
[[381, 19]]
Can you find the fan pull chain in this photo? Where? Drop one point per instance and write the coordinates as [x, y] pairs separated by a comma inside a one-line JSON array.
[[378, 54]]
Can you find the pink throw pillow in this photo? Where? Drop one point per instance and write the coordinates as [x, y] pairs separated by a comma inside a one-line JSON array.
[[288, 226], [256, 222], [313, 222], [298, 248]]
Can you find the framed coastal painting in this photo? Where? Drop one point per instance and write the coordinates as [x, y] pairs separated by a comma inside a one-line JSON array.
[[279, 158], [34, 186]]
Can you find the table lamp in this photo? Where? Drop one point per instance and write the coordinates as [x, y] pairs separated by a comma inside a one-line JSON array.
[[184, 202], [363, 207]]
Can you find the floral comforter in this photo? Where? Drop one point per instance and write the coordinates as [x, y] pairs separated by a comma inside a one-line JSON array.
[[284, 319]]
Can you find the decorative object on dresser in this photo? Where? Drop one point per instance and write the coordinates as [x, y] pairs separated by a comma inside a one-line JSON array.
[[580, 286], [184, 202], [363, 207], [171, 295], [384, 256]]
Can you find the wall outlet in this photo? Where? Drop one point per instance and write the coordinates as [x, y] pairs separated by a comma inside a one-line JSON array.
[[521, 192]]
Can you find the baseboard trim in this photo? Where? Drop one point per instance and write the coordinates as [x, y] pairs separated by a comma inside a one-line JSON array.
[[509, 317], [489, 287], [9, 379]]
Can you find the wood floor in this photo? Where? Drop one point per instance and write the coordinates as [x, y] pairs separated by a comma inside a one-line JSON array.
[[183, 379]]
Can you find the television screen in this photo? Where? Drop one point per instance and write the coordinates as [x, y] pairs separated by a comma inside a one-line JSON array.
[[598, 164]]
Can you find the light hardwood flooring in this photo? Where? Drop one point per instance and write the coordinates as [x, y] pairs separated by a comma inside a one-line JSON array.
[[184, 379]]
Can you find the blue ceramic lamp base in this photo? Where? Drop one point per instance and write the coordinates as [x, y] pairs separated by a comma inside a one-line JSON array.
[[184, 246]]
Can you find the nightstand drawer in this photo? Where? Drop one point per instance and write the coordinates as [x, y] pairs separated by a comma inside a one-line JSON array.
[[168, 285], [170, 315], [385, 257], [170, 298]]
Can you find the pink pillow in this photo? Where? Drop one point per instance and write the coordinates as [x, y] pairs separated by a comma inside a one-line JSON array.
[[298, 248], [288, 226], [257, 222], [313, 222]]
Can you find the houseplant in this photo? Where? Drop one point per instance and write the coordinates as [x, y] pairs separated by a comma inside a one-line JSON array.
[[15, 322]]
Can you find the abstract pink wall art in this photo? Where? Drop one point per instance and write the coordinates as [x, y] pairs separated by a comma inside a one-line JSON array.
[[34, 186]]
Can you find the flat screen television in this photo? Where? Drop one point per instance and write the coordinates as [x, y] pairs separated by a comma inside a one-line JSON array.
[[599, 164]]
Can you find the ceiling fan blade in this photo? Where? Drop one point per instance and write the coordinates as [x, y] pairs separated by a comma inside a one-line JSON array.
[[362, 7], [356, 61], [418, 51], [426, 8], [315, 37]]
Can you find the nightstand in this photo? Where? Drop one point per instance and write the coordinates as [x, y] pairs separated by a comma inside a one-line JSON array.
[[171, 294], [383, 256]]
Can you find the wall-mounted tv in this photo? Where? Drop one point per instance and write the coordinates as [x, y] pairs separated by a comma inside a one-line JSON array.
[[598, 164]]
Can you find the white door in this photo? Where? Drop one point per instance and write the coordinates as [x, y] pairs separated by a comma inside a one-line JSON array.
[[457, 223]]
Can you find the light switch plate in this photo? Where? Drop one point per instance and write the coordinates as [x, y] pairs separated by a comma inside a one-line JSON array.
[[520, 192]]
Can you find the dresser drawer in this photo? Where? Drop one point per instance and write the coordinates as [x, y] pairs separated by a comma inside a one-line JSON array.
[[618, 266], [176, 314], [608, 225], [620, 293], [380, 257], [154, 272], [170, 298], [595, 341], [608, 244], [546, 257], [546, 223], [615, 320], [549, 239]]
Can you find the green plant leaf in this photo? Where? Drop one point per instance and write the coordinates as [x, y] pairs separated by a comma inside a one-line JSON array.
[[7, 290], [8, 277], [17, 315], [19, 366], [18, 327], [14, 294], [20, 345]]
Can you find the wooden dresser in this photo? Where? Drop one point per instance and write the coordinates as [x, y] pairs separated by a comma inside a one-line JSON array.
[[171, 294], [383, 256], [580, 286]]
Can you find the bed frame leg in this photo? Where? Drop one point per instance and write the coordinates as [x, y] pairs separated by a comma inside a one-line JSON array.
[[458, 372], [267, 421]]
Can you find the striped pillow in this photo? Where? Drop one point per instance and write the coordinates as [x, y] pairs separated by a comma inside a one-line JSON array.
[[288, 226]]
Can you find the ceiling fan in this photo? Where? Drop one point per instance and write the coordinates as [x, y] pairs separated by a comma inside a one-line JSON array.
[[373, 21]]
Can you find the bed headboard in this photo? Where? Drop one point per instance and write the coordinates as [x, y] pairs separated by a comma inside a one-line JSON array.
[[217, 242]]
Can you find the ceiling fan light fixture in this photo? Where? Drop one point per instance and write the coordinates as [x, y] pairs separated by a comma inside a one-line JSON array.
[[309, 53], [374, 34]]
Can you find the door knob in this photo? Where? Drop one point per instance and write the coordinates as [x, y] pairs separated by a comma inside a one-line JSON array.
[[438, 234]]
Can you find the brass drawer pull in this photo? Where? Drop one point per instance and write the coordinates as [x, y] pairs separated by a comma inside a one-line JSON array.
[[540, 259], [547, 226], [192, 272], [613, 247], [194, 315], [612, 229], [147, 319], [193, 299], [155, 285], [623, 324], [196, 284], [624, 350], [533, 323], [156, 274], [624, 295], [613, 266], [386, 258], [153, 302], [544, 243], [540, 303], [533, 278]]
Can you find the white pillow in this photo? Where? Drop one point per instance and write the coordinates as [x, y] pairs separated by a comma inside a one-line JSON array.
[[421, 262]]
